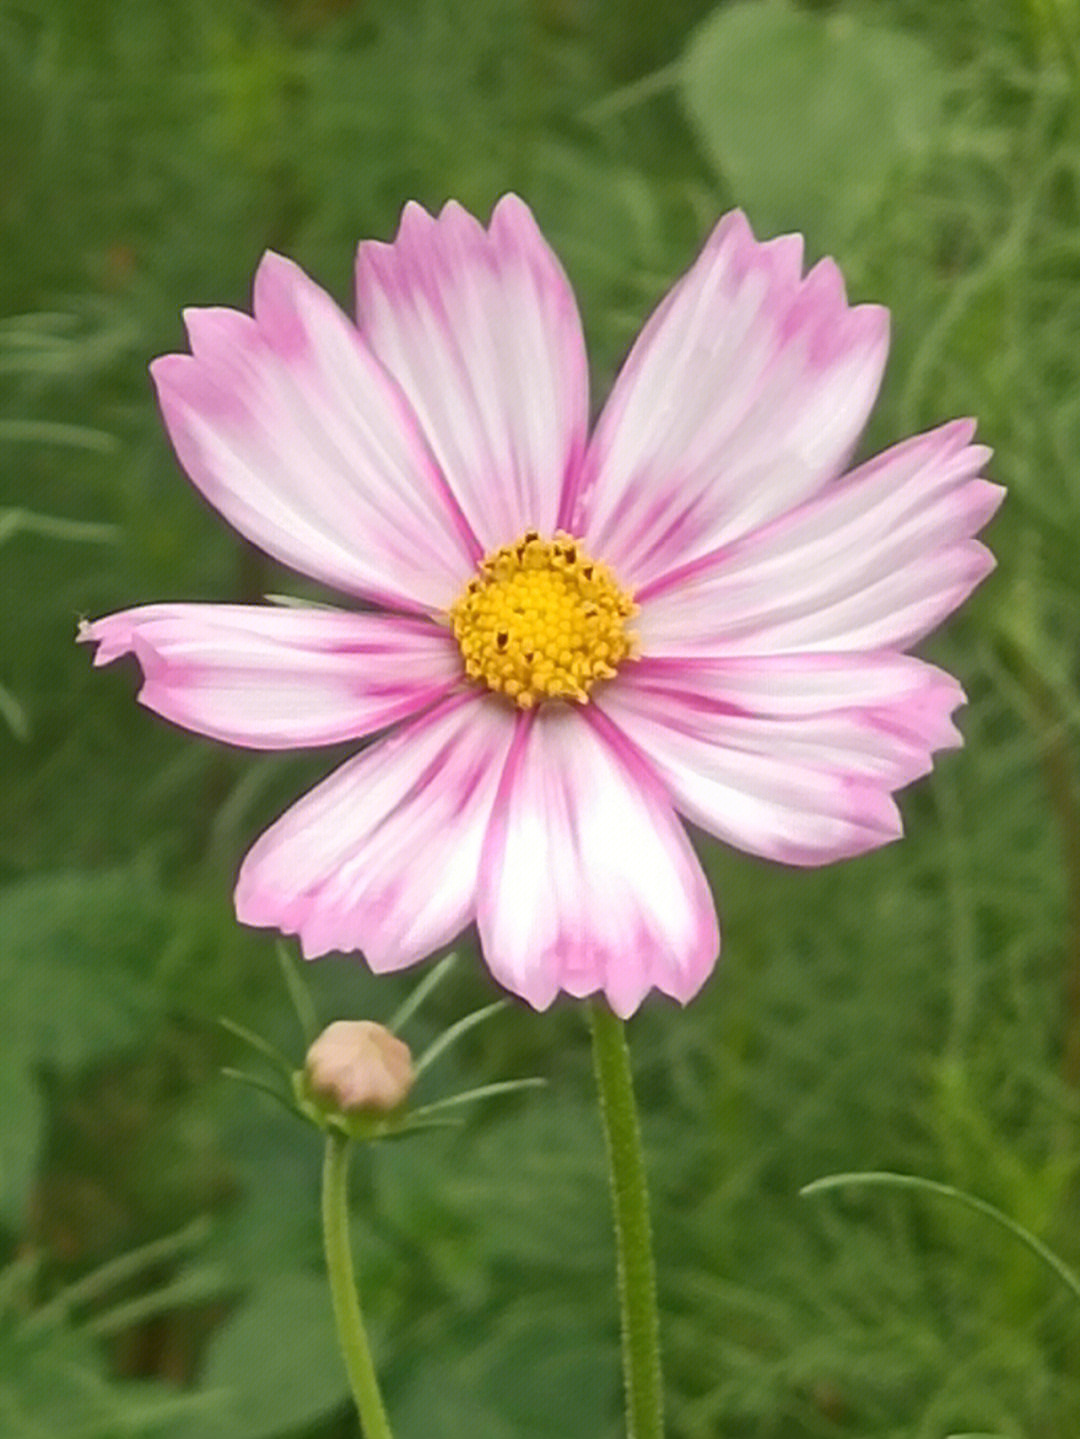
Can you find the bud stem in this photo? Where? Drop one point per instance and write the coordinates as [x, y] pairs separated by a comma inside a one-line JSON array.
[[633, 1233], [352, 1335]]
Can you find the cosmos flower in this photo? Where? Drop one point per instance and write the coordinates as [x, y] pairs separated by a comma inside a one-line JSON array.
[[566, 642]]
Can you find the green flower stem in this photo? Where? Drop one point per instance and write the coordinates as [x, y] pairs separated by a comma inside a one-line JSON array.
[[352, 1335], [633, 1233]]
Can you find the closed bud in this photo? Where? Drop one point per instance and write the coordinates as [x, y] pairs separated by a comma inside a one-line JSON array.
[[358, 1067]]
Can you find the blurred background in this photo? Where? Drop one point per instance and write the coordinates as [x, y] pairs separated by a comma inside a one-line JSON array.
[[917, 1009]]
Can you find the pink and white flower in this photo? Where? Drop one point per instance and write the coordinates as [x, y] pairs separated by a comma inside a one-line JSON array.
[[764, 692]]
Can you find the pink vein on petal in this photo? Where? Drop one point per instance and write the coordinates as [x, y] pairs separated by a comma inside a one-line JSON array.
[[589, 881], [875, 561], [745, 392], [804, 790], [291, 428], [280, 678], [481, 330], [384, 855]]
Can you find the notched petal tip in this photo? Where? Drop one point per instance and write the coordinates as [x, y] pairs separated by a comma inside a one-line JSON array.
[[273, 270], [511, 203], [734, 233], [454, 214], [875, 326], [581, 815], [981, 563], [414, 213], [985, 496], [166, 370], [513, 219], [253, 905], [286, 302], [743, 397], [113, 635], [217, 334], [732, 228], [960, 432], [382, 857], [479, 328]]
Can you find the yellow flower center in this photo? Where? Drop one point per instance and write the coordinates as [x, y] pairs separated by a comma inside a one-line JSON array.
[[541, 620]]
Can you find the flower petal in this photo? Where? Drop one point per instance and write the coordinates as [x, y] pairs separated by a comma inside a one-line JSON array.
[[383, 856], [804, 789], [292, 429], [875, 562], [275, 678], [743, 395], [481, 330], [589, 881], [879, 714]]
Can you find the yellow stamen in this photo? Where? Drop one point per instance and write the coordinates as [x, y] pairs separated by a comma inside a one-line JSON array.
[[541, 620]]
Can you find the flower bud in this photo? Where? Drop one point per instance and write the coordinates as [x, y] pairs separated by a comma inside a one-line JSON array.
[[358, 1067]]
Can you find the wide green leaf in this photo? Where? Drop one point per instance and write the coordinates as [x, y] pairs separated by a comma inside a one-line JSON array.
[[275, 1364], [75, 952], [808, 118], [54, 1384]]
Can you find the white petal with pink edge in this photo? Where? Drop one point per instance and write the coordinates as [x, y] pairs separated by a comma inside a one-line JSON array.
[[589, 884], [292, 429], [790, 783], [272, 678], [383, 856], [876, 561], [878, 715], [481, 330], [744, 394]]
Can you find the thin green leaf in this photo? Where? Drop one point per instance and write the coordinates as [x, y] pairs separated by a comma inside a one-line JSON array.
[[484, 1091], [13, 714], [410, 1127], [298, 993], [56, 432], [54, 527], [118, 1271], [253, 1081], [297, 602], [14, 1278], [262, 1046], [196, 1287], [455, 1032], [885, 1180], [426, 987]]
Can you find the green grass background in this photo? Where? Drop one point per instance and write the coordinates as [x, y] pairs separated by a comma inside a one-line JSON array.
[[917, 1009]]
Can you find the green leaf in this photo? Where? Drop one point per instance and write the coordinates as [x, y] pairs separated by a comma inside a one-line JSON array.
[[275, 1364], [71, 948], [74, 951], [54, 1383], [527, 1375], [886, 1180], [13, 715], [808, 117], [21, 1132]]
